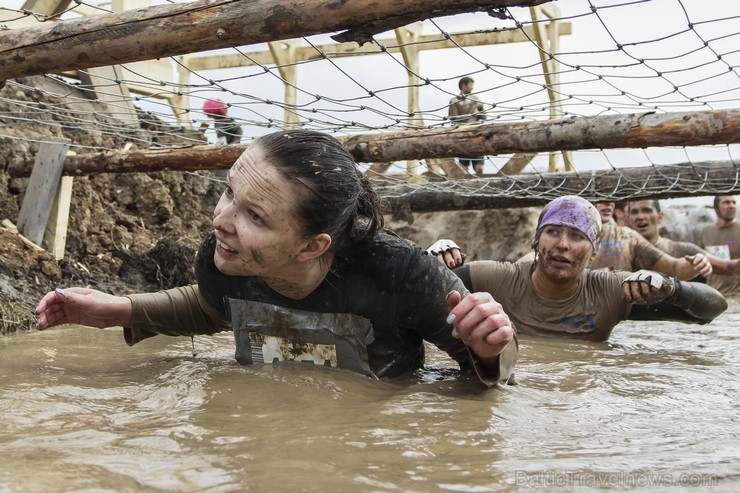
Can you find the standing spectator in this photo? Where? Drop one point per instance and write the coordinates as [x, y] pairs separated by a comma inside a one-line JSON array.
[[466, 108], [227, 130], [723, 240]]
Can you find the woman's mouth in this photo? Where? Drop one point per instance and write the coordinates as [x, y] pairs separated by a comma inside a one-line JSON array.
[[559, 260], [223, 249]]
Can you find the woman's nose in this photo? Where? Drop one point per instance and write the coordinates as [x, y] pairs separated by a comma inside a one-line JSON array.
[[221, 218]]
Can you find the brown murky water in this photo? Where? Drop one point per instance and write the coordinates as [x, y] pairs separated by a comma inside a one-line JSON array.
[[655, 409]]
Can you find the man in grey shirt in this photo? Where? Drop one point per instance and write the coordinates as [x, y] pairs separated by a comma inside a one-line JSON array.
[[466, 109]]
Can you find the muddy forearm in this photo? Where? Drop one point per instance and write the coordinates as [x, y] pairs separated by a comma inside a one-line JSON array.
[[671, 266], [698, 300]]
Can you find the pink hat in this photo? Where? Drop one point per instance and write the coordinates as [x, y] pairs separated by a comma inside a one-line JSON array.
[[215, 107]]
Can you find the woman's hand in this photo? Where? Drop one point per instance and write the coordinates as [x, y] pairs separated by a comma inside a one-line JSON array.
[[646, 287], [84, 307], [447, 252], [481, 323]]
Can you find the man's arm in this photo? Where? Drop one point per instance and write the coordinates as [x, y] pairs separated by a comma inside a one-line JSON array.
[[724, 267], [684, 268], [478, 108], [454, 111]]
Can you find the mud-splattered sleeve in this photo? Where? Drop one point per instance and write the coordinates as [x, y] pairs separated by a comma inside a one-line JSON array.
[[644, 253]]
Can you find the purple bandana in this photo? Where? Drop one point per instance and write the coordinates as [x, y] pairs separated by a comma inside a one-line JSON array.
[[574, 212]]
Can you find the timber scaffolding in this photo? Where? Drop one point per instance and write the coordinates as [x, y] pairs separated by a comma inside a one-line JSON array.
[[144, 34]]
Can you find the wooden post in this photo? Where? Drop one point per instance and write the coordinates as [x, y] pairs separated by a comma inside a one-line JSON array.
[[42, 188], [284, 54], [407, 38], [55, 235]]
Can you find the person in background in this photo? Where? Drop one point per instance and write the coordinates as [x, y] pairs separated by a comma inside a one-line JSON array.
[[557, 295], [722, 240], [645, 217], [606, 211], [465, 109], [227, 130], [620, 213], [298, 266], [622, 248]]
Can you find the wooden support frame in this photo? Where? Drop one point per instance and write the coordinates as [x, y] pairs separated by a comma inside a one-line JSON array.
[[44, 214], [41, 192], [55, 234]]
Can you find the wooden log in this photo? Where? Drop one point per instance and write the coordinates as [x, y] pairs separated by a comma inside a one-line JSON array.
[[176, 29], [635, 130], [657, 182], [599, 132]]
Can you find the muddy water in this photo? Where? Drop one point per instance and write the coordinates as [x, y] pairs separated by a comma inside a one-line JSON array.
[[656, 409]]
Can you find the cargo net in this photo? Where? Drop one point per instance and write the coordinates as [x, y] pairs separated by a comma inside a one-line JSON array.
[[530, 65]]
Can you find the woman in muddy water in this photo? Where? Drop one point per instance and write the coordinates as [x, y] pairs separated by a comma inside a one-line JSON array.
[[555, 295], [298, 266]]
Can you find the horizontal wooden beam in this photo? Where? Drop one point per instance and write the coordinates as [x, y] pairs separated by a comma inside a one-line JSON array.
[[598, 132], [202, 25], [658, 182], [425, 42], [634, 130]]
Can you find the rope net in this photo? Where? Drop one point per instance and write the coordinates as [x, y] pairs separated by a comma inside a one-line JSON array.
[[576, 58]]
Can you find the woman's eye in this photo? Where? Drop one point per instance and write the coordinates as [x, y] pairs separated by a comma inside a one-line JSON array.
[[255, 217]]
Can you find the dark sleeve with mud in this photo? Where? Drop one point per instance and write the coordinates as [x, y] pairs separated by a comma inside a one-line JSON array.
[[692, 302]]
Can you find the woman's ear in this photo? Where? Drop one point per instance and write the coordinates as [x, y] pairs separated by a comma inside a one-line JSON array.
[[315, 247]]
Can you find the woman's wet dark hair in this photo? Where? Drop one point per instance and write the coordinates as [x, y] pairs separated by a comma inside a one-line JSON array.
[[338, 200]]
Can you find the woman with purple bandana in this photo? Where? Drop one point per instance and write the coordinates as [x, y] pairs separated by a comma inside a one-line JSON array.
[[556, 295]]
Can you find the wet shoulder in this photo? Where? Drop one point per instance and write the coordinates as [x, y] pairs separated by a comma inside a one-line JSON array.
[[397, 264], [493, 276], [386, 255]]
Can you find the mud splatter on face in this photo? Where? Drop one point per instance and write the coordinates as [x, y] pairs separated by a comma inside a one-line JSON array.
[[256, 254]]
